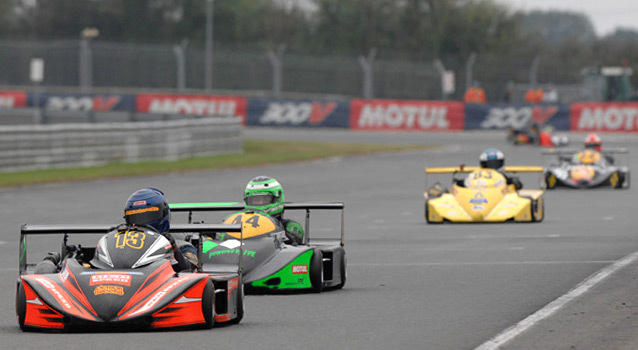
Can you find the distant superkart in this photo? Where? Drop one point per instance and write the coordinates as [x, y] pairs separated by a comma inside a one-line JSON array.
[[587, 168], [482, 195], [270, 264]]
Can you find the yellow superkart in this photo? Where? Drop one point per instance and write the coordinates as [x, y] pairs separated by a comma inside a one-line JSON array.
[[482, 196]]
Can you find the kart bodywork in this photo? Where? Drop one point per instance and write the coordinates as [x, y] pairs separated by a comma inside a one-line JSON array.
[[123, 297], [271, 264], [484, 196], [586, 169]]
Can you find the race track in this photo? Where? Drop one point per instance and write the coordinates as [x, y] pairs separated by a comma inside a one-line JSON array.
[[410, 285]]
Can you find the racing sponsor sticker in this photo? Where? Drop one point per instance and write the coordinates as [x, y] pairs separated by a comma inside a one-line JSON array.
[[299, 269], [604, 116], [406, 115], [107, 289], [478, 199], [139, 203], [478, 207], [230, 244], [121, 279]]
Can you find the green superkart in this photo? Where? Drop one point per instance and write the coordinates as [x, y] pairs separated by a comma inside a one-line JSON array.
[[267, 261]]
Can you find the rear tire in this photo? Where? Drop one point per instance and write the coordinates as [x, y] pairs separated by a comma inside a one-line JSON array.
[[239, 305], [21, 306], [316, 271], [342, 270], [208, 300]]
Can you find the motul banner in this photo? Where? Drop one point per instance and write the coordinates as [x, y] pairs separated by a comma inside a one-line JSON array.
[[604, 116], [503, 116], [191, 104], [303, 113], [13, 99], [406, 115]]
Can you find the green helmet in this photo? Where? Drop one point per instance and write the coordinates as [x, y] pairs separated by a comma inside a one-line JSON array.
[[264, 194]]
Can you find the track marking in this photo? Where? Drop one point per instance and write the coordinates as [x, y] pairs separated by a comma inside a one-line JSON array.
[[551, 308], [487, 263]]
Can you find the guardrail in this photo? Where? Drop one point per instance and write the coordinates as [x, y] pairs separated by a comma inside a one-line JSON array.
[[28, 147]]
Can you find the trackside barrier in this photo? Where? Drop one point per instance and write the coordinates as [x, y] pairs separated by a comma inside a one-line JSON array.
[[504, 116], [29, 147], [356, 114]]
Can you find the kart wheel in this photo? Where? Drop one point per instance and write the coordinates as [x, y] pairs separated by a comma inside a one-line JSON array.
[[538, 210], [208, 300], [21, 305], [342, 269], [239, 305], [550, 181], [316, 271]]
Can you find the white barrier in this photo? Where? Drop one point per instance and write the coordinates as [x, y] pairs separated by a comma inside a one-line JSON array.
[[27, 147]]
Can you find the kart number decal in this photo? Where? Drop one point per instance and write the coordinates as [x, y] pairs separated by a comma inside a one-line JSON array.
[[253, 224], [588, 157], [131, 239], [253, 220], [481, 174]]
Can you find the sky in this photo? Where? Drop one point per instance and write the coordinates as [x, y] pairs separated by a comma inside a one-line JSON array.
[[606, 15]]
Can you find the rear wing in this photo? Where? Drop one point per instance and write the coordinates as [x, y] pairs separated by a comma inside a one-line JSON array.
[[571, 151], [468, 169], [66, 230], [237, 206]]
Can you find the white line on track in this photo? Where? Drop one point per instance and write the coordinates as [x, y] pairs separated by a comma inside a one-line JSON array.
[[483, 263], [551, 308]]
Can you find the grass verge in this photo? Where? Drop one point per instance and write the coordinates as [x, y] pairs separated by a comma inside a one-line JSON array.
[[256, 152]]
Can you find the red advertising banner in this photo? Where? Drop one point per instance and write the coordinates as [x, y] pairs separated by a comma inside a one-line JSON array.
[[13, 99], [406, 115], [604, 116], [191, 104]]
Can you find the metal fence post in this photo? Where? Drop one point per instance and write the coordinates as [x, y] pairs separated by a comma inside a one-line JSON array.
[[441, 68], [180, 56], [468, 70], [275, 62], [533, 71], [367, 65], [208, 61]]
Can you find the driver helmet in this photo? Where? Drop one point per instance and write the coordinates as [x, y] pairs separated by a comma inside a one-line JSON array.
[[148, 207], [264, 194], [492, 158], [594, 142]]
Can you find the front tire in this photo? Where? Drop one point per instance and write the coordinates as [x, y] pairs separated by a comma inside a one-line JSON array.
[[342, 269], [316, 271], [239, 305], [538, 210], [208, 300]]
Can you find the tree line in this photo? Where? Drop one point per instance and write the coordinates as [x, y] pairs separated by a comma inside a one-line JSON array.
[[411, 29]]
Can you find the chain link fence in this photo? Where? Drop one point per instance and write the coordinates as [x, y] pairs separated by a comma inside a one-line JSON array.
[[97, 65]]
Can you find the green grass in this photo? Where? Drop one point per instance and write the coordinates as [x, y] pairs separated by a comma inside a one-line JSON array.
[[256, 152]]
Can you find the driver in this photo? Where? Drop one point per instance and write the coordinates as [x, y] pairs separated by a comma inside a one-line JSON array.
[[265, 195], [592, 152], [148, 207], [494, 159]]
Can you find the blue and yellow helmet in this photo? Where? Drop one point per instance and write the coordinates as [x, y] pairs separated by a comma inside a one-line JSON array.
[[148, 207]]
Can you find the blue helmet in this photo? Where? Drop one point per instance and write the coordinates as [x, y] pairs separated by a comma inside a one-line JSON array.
[[492, 158], [148, 207]]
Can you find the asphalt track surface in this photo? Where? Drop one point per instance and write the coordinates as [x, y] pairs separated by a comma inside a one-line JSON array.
[[410, 285]]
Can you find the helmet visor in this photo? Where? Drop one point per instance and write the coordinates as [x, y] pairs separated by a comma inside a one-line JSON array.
[[259, 200], [143, 216]]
